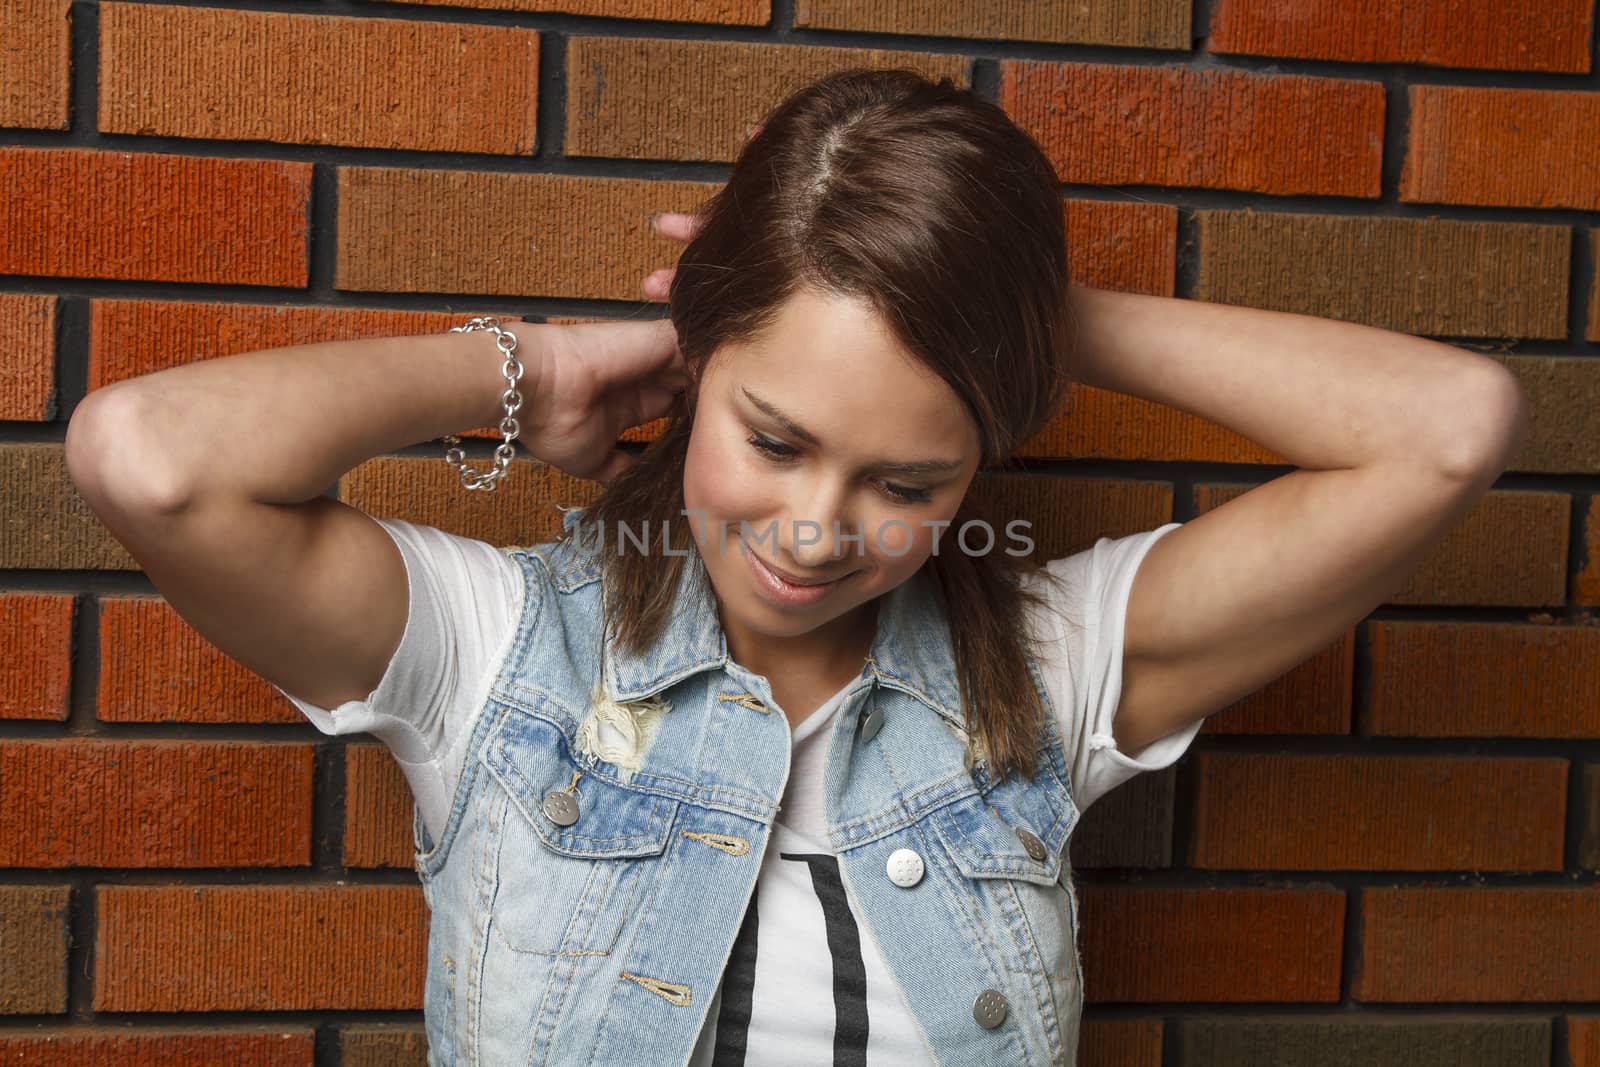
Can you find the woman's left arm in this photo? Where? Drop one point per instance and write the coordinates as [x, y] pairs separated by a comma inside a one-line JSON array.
[[1397, 438]]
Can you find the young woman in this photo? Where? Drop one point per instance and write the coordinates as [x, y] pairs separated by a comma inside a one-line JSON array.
[[788, 775]]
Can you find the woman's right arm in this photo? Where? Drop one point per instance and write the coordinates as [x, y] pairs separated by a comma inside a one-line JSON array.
[[211, 475]]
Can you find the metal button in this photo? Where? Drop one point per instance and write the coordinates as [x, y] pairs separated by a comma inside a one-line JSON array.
[[1031, 844], [989, 1009], [561, 808], [905, 868], [872, 724]]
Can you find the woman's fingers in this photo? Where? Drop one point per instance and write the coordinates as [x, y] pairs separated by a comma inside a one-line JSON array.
[[677, 225]]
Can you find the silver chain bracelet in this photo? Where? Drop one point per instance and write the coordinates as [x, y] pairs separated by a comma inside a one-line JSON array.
[[488, 481]]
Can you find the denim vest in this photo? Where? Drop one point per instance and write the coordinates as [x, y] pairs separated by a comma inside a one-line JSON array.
[[583, 914]]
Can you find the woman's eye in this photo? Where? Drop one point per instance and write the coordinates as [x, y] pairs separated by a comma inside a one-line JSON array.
[[776, 449], [906, 494]]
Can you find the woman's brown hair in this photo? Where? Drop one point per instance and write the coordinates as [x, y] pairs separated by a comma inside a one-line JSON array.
[[930, 203]]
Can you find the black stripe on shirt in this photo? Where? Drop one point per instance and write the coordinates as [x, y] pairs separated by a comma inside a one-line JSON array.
[[849, 969]]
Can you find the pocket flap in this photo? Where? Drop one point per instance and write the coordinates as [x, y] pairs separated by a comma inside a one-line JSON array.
[[531, 758], [982, 835]]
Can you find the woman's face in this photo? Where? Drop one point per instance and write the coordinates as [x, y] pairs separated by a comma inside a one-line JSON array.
[[800, 440]]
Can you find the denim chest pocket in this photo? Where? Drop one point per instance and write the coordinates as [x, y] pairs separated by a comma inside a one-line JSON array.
[[565, 889]]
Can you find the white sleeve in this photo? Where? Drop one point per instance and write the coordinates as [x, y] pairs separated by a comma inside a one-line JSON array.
[[464, 597], [1082, 663]]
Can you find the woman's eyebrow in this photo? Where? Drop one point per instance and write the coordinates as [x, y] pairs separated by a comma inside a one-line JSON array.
[[916, 467]]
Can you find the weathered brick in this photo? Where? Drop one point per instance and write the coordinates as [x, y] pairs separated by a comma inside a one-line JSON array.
[[1586, 583], [317, 79], [1521, 944], [28, 332], [1400, 274], [378, 809], [33, 950], [619, 107], [1563, 413], [36, 632], [1502, 147], [37, 67], [1214, 129], [1145, 24], [1459, 1041], [1583, 1040], [1119, 1042], [405, 230], [1544, 35], [383, 1046], [106, 1046], [60, 532], [1131, 826], [99, 803], [155, 667], [1069, 514], [428, 491], [1588, 856], [1509, 550], [260, 948], [1378, 813], [720, 12], [137, 216], [1471, 679], [1212, 945]]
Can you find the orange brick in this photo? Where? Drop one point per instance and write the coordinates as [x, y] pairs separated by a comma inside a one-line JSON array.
[[1069, 514], [36, 631], [83, 213], [100, 803], [1142, 24], [108, 1046], [1128, 247], [1502, 147], [421, 231], [1312, 698], [317, 79], [378, 809], [1214, 945], [1119, 1043], [1105, 424], [1583, 1040], [155, 667], [37, 71], [1378, 813], [1205, 129], [1544, 35], [260, 948], [33, 950], [1520, 944], [28, 332], [617, 107], [1467, 679], [1592, 329], [1410, 277], [719, 12]]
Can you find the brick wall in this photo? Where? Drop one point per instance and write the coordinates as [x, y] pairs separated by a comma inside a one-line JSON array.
[[1388, 856]]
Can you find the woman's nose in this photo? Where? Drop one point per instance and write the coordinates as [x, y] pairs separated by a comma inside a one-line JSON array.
[[819, 545]]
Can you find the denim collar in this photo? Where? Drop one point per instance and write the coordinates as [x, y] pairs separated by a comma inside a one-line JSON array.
[[911, 651]]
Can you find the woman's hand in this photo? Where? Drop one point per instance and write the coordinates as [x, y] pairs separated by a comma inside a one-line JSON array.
[[679, 227]]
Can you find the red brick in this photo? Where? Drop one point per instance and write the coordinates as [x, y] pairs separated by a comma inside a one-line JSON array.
[[36, 629], [83, 213], [28, 332], [1592, 330], [1583, 1040], [1586, 583], [1378, 813], [378, 809], [383, 1045], [37, 72], [1119, 1043], [106, 1046], [1409, 277], [1520, 944], [97, 803], [1128, 247], [1281, 134], [1502, 147], [61, 532], [1312, 698], [1142, 24], [317, 79], [1564, 413], [155, 667], [1211, 945], [719, 12], [1335, 1039], [1105, 424], [405, 230], [1544, 35], [33, 950], [260, 948], [618, 107], [1468, 679]]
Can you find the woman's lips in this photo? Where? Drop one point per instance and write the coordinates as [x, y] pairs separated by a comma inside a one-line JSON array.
[[781, 588]]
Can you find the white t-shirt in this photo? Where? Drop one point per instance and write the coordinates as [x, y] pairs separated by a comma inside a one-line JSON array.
[[802, 983]]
